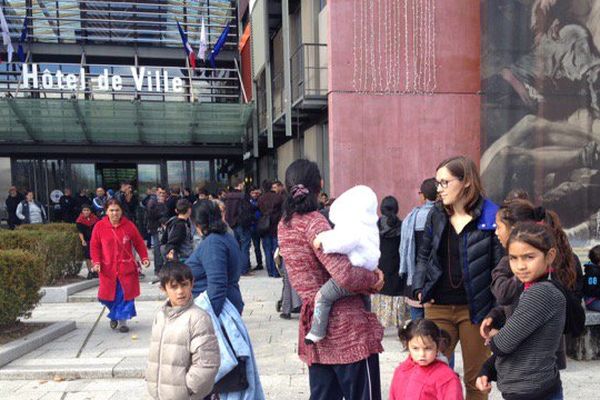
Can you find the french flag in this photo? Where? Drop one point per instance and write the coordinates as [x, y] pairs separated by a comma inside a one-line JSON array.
[[189, 51]]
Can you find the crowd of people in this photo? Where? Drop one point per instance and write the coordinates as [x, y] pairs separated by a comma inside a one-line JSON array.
[[501, 280]]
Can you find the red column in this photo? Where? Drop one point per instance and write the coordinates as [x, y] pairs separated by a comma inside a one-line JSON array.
[[392, 142]]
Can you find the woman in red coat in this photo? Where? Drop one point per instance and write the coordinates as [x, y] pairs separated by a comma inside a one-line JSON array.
[[113, 240]]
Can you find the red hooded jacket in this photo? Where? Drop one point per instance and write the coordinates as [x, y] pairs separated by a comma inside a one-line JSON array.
[[436, 381], [112, 248]]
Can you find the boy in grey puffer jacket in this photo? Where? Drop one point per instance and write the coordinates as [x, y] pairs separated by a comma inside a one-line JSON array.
[[184, 352]]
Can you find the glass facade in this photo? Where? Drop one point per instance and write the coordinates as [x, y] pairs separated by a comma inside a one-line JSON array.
[[83, 176], [148, 176], [200, 174]]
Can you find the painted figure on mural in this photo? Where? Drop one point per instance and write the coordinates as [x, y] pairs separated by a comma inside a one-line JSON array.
[[541, 121]]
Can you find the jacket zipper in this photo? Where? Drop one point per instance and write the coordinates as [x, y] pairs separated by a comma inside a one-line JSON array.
[[467, 282], [160, 349]]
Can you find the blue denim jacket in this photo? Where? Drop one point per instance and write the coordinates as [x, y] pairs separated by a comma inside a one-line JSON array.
[[230, 320]]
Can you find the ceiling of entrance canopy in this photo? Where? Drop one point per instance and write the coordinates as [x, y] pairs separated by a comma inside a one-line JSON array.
[[76, 121]]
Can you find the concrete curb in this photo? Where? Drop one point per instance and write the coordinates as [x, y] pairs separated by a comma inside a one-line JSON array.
[[94, 299], [83, 368], [18, 348], [61, 294]]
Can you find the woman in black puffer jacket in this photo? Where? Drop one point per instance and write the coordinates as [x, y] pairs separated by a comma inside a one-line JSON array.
[[455, 261]]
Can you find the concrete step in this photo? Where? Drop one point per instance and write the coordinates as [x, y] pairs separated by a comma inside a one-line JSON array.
[[75, 368]]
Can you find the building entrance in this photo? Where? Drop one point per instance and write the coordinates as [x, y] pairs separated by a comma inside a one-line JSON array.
[[110, 176]]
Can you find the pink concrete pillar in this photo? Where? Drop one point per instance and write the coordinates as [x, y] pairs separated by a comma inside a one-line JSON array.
[[392, 141]]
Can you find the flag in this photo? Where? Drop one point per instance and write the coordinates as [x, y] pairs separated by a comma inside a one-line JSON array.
[[218, 46], [203, 48], [20, 51], [6, 36], [189, 51]]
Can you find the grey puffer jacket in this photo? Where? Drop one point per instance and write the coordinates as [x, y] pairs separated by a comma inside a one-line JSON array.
[[184, 354]]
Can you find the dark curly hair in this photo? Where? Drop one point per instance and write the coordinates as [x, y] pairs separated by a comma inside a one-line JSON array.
[[426, 329]]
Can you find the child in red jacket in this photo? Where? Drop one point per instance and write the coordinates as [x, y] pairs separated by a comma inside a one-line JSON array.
[[423, 376]]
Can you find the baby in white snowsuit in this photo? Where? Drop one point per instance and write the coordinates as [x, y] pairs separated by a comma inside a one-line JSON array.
[[355, 233]]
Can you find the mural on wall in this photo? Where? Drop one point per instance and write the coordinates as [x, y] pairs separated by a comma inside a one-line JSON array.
[[541, 106]]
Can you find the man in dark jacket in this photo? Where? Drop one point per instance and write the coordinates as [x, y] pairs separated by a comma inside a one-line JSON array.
[[157, 216], [12, 202], [238, 215], [68, 206], [270, 206]]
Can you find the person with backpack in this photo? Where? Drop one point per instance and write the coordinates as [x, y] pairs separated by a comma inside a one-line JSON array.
[[524, 363], [178, 239], [591, 280]]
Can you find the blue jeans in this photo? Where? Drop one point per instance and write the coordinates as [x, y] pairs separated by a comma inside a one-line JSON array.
[[269, 243], [244, 236], [417, 313], [593, 306], [557, 395]]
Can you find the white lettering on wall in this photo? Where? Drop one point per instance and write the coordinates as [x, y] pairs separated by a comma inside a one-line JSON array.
[[143, 80]]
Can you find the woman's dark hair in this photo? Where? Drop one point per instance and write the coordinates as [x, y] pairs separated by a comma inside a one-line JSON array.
[[516, 194], [175, 271], [465, 170], [520, 211], [266, 186], [183, 205], [113, 202], [426, 329], [594, 255], [389, 208], [207, 216], [541, 236], [303, 185]]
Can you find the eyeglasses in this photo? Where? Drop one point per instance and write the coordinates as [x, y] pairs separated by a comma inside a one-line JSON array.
[[444, 183]]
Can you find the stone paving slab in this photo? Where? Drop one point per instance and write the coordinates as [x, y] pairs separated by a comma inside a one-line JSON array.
[[275, 341]]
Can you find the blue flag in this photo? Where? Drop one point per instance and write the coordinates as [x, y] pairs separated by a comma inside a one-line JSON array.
[[218, 46], [20, 51]]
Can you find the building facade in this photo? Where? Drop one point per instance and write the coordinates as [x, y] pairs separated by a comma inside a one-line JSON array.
[[103, 92]]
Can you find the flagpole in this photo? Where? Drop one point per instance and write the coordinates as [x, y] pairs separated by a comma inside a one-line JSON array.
[[237, 69]]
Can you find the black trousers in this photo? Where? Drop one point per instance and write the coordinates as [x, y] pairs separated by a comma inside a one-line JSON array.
[[356, 381]]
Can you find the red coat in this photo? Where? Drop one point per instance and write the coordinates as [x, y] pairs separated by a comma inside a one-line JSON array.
[[436, 381], [112, 248]]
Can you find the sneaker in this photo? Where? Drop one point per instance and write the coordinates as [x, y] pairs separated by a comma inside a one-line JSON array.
[[285, 316], [312, 339], [278, 306], [259, 267], [113, 324], [123, 329], [296, 310]]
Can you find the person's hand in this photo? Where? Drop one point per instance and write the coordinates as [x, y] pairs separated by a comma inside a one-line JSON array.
[[146, 263], [483, 384], [420, 298], [486, 327], [380, 280], [317, 243], [170, 255], [83, 243], [96, 268]]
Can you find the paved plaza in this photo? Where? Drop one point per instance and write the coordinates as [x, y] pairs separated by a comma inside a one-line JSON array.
[[95, 363]]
